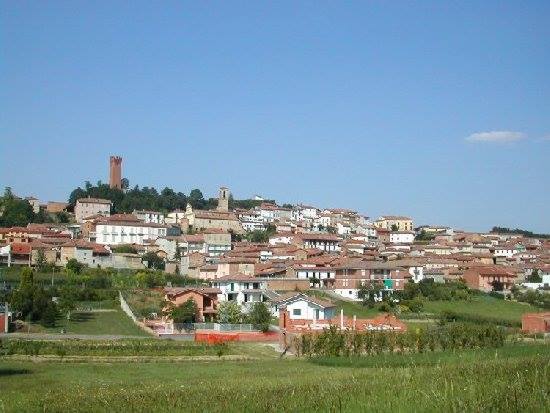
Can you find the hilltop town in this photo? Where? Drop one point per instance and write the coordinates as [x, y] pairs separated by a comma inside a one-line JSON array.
[[277, 255]]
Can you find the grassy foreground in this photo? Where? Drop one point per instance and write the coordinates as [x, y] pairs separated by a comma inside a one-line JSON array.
[[110, 321], [513, 378]]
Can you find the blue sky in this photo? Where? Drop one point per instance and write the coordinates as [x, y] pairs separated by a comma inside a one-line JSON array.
[[384, 107]]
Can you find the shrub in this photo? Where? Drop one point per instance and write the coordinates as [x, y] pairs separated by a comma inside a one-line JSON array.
[[260, 316], [230, 312]]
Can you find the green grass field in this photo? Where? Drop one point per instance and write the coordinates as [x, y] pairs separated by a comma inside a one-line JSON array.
[[508, 379], [482, 305], [111, 322], [350, 308]]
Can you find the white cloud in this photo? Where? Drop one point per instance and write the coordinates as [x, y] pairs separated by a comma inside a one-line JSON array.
[[496, 136]]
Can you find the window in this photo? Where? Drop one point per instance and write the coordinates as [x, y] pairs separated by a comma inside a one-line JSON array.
[[297, 311]]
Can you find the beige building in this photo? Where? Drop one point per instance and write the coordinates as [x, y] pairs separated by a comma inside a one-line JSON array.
[[35, 203], [388, 222], [54, 206], [86, 207], [223, 219]]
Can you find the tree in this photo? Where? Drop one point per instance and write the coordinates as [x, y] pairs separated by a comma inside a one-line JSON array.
[[415, 305], [49, 315], [15, 212], [125, 183], [230, 312], [148, 279], [67, 301], [368, 293], [534, 277], [40, 261], [62, 217], [424, 236], [153, 261], [26, 277], [196, 199], [74, 266], [394, 227], [258, 236], [331, 229], [185, 313], [127, 249], [33, 302], [260, 316]]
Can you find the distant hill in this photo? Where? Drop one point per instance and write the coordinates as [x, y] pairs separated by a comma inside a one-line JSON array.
[[529, 234]]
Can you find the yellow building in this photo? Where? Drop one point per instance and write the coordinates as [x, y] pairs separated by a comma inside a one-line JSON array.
[[391, 222]]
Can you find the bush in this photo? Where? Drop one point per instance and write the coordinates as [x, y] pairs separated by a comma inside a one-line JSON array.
[[415, 305], [230, 312], [260, 316], [74, 266]]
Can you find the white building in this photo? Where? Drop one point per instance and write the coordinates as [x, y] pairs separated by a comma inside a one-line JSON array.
[[324, 275], [324, 242], [127, 229], [174, 217], [401, 237], [302, 307], [304, 212], [343, 229], [505, 251], [150, 217], [272, 212], [242, 289], [281, 238]]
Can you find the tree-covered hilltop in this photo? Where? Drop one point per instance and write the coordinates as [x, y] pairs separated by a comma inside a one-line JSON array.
[[148, 198], [517, 231], [145, 198], [15, 211]]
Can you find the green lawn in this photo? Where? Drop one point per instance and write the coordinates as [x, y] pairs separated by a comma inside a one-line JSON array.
[[485, 306], [508, 379], [111, 322], [350, 308], [482, 305]]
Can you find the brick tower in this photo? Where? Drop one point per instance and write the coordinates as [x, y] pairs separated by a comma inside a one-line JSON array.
[[115, 172]]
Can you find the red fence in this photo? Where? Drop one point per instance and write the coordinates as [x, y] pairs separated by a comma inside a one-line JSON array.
[[217, 337]]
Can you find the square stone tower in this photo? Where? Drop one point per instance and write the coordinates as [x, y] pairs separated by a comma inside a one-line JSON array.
[[223, 199]]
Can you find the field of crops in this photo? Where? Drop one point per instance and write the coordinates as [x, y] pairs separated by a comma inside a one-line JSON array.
[[510, 378]]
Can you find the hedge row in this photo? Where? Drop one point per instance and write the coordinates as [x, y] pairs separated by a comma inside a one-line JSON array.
[[451, 336]]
